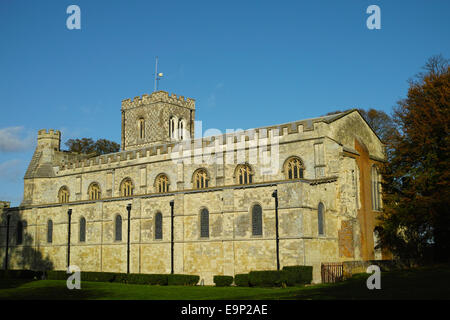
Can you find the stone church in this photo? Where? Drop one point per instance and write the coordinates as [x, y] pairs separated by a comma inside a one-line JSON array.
[[299, 193]]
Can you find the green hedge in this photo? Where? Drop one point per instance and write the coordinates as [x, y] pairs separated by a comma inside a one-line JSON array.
[[297, 275], [150, 279], [223, 281], [242, 280], [132, 278], [182, 280], [20, 274], [56, 275], [266, 278], [289, 276]]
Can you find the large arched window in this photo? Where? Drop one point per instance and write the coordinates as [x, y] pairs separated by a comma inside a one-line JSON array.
[[162, 183], [141, 128], [49, 231], [200, 179], [181, 129], [204, 223], [19, 232], [118, 228], [82, 229], [158, 226], [376, 192], [244, 174], [257, 220], [126, 188], [173, 127], [294, 168], [63, 195], [320, 219], [94, 191]]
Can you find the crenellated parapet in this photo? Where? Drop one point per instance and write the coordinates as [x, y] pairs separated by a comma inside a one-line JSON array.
[[49, 139], [159, 96], [303, 129]]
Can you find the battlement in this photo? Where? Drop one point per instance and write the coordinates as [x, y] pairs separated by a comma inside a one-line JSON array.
[[51, 134], [159, 96], [49, 139], [238, 140]]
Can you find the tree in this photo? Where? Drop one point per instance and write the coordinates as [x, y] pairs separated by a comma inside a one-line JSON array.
[[88, 146], [416, 193]]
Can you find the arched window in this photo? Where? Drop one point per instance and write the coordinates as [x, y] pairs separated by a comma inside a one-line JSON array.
[[376, 192], [244, 174], [118, 228], [94, 191], [162, 183], [158, 226], [63, 195], [126, 188], [141, 128], [19, 233], [49, 231], [204, 223], [294, 168], [82, 229], [181, 129], [257, 220], [200, 179], [320, 219], [173, 128]]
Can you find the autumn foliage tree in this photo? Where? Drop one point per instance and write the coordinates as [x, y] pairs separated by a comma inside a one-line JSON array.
[[416, 193]]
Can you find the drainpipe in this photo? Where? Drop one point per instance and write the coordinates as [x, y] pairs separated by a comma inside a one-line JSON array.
[[171, 236], [8, 216], [69, 213], [275, 195], [128, 238]]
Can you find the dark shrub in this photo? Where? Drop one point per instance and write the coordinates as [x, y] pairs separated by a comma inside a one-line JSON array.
[[266, 278], [182, 280], [242, 280], [297, 275], [56, 275], [20, 274], [98, 276], [223, 281]]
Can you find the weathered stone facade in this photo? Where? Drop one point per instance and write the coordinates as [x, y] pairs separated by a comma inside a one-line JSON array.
[[337, 153]]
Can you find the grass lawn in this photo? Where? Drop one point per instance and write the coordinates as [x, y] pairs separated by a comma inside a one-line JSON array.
[[423, 283]]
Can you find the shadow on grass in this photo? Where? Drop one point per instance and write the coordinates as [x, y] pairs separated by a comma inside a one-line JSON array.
[[13, 289]]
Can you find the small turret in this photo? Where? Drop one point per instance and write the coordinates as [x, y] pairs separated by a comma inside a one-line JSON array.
[[49, 140]]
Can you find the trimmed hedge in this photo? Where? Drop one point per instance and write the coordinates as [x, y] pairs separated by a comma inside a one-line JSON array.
[[297, 275], [132, 278], [56, 275], [223, 281], [150, 279], [20, 274], [242, 280], [182, 280], [268, 278]]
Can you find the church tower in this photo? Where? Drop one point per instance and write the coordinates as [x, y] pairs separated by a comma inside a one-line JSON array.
[[155, 119]]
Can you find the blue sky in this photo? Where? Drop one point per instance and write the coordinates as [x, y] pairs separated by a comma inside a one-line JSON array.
[[247, 63]]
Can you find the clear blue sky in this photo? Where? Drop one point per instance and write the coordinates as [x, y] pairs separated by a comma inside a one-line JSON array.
[[247, 63]]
